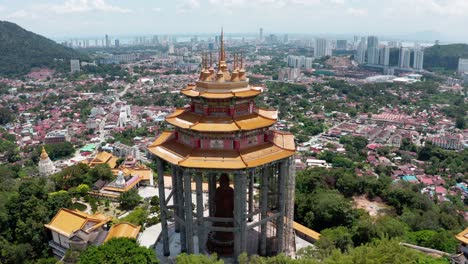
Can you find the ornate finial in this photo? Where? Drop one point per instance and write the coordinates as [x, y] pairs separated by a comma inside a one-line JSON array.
[[211, 59], [242, 60], [44, 154], [222, 53]]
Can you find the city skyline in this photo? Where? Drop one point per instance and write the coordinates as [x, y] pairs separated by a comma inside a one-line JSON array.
[[430, 19]]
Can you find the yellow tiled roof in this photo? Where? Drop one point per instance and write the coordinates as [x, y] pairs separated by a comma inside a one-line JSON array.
[[123, 230], [186, 156], [462, 236], [189, 91], [189, 120], [67, 221], [306, 231]]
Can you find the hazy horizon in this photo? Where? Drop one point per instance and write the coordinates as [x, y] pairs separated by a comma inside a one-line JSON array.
[[420, 19]]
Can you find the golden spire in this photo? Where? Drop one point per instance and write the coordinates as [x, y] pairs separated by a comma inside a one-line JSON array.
[[222, 54], [242, 74], [44, 153]]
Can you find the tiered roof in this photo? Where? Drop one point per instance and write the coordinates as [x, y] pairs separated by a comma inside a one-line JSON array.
[[232, 138]]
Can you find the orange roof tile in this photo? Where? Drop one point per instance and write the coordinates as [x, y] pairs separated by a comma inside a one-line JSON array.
[[214, 159], [248, 93], [462, 236], [253, 121], [67, 221], [271, 114], [284, 140], [162, 138], [215, 124], [306, 231], [123, 229], [263, 154]]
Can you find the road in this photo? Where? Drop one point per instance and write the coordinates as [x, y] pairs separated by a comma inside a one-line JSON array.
[[102, 131]]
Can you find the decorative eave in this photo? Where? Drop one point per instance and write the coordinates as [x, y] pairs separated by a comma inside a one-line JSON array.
[[179, 154], [189, 120], [192, 91]]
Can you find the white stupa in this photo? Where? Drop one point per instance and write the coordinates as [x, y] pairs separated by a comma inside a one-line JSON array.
[[46, 166]]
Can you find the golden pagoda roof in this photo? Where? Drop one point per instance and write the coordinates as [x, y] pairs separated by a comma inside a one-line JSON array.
[[67, 221], [44, 154], [189, 120], [194, 91], [186, 156], [462, 236], [123, 229]]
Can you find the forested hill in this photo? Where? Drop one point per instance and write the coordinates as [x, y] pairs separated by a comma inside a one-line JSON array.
[[444, 56], [21, 50]]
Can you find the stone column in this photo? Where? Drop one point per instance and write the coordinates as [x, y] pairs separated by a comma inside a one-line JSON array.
[[181, 208], [240, 238], [188, 211], [251, 194], [201, 223], [281, 203], [162, 205], [175, 198], [264, 209]]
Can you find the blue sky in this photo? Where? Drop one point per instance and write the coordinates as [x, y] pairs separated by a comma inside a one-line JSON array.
[[55, 18]]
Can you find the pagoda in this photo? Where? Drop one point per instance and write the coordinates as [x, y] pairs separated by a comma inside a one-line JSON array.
[[46, 166], [225, 144]]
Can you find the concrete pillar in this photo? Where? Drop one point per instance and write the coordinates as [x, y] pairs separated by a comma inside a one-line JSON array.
[[264, 210], [181, 208], [175, 198], [201, 223], [281, 203], [240, 237], [188, 212], [162, 205], [211, 192], [251, 194]]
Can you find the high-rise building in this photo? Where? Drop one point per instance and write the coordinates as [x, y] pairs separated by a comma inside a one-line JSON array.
[[372, 42], [107, 41], [405, 58], [373, 55], [418, 59], [117, 43], [341, 44], [361, 51], [384, 56], [372, 50], [285, 38], [261, 35], [171, 49], [322, 48], [75, 66], [308, 63], [462, 65]]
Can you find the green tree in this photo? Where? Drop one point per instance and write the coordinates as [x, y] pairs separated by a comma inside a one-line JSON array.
[[128, 200], [118, 251]]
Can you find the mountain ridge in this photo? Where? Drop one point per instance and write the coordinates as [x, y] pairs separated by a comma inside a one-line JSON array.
[[21, 50]]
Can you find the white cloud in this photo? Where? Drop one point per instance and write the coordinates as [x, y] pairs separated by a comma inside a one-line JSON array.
[[157, 9], [187, 5], [22, 14], [80, 6], [357, 11], [2, 8]]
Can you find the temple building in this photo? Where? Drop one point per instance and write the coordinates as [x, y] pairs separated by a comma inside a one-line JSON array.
[[72, 229], [130, 173], [46, 166], [223, 140]]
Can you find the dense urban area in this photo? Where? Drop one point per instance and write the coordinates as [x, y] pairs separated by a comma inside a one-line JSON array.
[[380, 127]]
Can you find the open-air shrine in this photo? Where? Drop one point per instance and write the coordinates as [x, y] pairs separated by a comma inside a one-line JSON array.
[[224, 139]]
